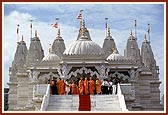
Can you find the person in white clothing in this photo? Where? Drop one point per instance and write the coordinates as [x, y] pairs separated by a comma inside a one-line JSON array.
[[110, 84], [114, 86]]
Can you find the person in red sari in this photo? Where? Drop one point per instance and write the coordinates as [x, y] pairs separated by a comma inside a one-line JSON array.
[[81, 86], [98, 85], [74, 88], [91, 86], [86, 88]]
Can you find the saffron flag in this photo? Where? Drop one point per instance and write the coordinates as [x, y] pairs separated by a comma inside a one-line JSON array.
[[80, 15], [55, 25]]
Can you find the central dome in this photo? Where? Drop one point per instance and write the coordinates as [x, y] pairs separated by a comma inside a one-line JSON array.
[[84, 46]]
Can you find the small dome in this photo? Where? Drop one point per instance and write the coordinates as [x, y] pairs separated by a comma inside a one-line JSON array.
[[115, 56], [84, 46], [51, 57]]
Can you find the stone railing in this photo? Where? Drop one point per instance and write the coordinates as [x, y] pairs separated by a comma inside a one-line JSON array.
[[121, 98], [45, 101]]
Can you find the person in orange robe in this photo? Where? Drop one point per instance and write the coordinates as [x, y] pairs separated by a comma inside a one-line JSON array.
[[58, 85], [91, 86], [98, 85], [81, 86], [74, 88], [86, 89], [62, 87]]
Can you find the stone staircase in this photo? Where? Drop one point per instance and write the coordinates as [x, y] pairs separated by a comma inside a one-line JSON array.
[[63, 103], [71, 103], [105, 103]]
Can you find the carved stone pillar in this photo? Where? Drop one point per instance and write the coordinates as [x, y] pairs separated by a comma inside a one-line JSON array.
[[33, 81], [22, 97], [64, 72], [101, 70], [136, 106], [30, 104], [12, 97]]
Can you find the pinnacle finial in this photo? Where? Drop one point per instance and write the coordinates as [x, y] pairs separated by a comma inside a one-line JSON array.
[[50, 48], [83, 23], [22, 38], [35, 33], [83, 28], [131, 33], [106, 26], [145, 37], [59, 33], [115, 50], [108, 32]]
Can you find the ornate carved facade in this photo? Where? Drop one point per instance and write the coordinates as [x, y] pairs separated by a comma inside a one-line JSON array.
[[30, 70]]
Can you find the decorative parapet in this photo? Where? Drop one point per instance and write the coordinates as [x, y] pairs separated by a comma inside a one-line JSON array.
[[123, 61]]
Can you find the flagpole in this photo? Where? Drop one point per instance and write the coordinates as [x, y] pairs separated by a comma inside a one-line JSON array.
[[149, 31], [106, 26], [57, 24], [31, 28], [18, 32], [80, 17], [135, 29]]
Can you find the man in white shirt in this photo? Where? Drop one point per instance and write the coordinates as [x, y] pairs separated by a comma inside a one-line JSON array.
[[110, 83]]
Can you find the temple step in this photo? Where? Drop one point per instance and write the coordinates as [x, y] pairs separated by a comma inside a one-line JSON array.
[[71, 103], [105, 103], [63, 103]]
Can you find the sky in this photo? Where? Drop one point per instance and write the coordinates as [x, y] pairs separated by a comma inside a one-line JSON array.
[[120, 18]]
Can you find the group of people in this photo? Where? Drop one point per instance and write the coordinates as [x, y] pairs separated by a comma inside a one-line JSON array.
[[83, 86], [57, 86], [110, 86]]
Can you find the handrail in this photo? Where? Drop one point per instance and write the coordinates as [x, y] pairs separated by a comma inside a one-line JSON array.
[[45, 101], [121, 98]]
